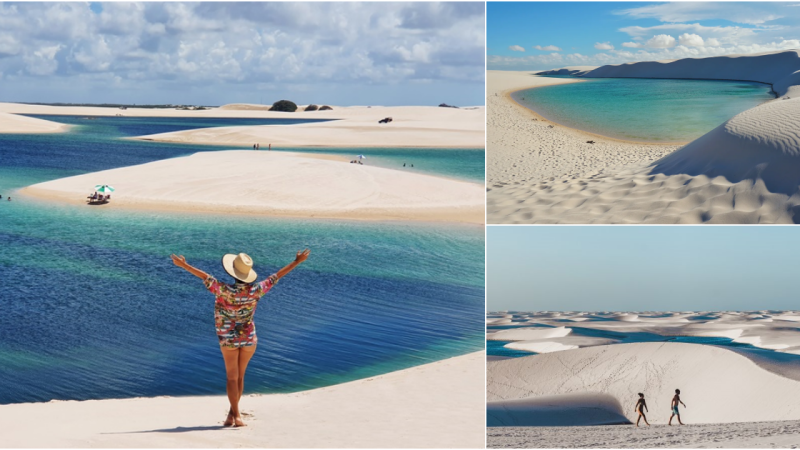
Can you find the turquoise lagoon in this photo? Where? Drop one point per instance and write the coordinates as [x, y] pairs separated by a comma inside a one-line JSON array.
[[94, 308], [646, 110]]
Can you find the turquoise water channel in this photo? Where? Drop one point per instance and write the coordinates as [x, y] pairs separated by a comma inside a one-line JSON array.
[[94, 308], [645, 110]]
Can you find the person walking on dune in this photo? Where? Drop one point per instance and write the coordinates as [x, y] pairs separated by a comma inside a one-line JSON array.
[[641, 407], [675, 400], [233, 315]]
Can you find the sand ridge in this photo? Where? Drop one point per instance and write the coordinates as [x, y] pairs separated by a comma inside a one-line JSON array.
[[276, 184]]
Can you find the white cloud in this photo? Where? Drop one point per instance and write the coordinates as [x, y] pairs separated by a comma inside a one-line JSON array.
[[632, 45], [516, 48], [661, 41], [689, 11], [603, 46], [547, 48], [712, 42], [729, 35], [281, 44], [691, 40]]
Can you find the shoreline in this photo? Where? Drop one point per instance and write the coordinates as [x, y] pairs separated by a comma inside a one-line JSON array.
[[422, 406], [279, 185]]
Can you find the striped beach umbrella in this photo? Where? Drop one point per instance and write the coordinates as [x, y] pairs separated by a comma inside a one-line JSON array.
[[104, 188]]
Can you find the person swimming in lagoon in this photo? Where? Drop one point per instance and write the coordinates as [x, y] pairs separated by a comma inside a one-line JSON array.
[[675, 400], [234, 307], [640, 405]]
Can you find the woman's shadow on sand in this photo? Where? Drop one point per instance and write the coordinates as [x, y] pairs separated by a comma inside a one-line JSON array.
[[178, 430]]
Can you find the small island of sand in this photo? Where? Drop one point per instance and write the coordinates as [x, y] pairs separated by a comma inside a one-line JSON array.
[[277, 184]]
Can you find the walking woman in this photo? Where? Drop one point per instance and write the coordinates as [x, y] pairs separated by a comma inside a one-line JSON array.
[[233, 316], [641, 407]]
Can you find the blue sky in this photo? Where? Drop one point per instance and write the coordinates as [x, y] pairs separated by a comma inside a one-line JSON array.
[[215, 53], [642, 268], [546, 35]]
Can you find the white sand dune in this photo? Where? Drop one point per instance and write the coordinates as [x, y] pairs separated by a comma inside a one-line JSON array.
[[718, 385], [350, 126], [434, 405], [277, 184], [14, 124], [558, 344], [744, 171]]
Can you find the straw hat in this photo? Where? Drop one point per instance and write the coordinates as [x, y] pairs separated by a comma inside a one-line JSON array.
[[240, 267]]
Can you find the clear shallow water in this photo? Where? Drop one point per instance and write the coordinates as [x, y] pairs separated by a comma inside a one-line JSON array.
[[644, 109], [94, 308]]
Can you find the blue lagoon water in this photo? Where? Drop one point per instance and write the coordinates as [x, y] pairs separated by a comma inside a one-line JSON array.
[[646, 110], [496, 348], [94, 308]]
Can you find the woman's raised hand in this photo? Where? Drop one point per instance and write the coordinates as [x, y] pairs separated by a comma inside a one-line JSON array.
[[302, 256], [179, 261]]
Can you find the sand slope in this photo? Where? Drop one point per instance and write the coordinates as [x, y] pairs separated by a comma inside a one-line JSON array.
[[13, 123], [717, 385], [433, 405], [744, 171], [277, 184]]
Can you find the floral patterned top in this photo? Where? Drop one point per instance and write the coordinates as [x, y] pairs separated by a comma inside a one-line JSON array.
[[234, 308]]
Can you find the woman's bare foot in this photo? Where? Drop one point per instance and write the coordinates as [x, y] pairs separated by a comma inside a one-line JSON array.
[[229, 421], [238, 422]]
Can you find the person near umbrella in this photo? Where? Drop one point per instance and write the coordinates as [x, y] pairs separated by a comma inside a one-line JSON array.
[[233, 315]]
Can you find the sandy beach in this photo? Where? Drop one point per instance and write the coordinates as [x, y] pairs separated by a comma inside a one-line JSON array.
[[433, 405], [350, 126], [744, 171], [785, 434], [276, 184]]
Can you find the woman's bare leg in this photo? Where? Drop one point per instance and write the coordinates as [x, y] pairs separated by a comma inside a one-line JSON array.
[[245, 353], [645, 419], [231, 357]]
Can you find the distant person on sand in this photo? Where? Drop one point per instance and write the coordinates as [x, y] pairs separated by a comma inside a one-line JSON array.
[[233, 314], [640, 405], [254, 146], [675, 400]]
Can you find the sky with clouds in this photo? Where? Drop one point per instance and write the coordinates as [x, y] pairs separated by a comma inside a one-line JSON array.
[[217, 53], [641, 268], [548, 35]]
